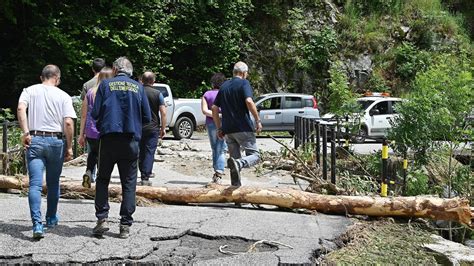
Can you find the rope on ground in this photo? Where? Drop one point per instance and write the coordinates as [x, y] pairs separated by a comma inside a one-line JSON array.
[[253, 247]]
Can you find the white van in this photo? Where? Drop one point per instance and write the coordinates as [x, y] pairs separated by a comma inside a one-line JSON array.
[[377, 112]]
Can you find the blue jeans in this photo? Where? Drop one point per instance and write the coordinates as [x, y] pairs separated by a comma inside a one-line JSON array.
[[219, 148], [44, 153], [148, 144], [248, 142]]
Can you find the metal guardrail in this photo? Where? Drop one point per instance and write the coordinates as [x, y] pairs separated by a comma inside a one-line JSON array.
[[316, 133], [7, 151]]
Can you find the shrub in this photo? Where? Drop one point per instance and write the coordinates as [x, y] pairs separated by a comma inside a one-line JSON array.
[[377, 83], [341, 97], [442, 96], [409, 60], [417, 183]]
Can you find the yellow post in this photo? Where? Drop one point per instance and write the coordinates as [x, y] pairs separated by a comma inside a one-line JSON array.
[[405, 169], [384, 186]]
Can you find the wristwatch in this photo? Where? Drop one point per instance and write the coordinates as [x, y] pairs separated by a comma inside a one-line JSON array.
[[27, 133]]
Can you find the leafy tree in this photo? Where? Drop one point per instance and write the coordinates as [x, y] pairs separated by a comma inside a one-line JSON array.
[[441, 98], [409, 60], [184, 42], [342, 101]]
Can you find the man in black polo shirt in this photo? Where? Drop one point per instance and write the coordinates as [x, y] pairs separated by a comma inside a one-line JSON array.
[[152, 130], [235, 101]]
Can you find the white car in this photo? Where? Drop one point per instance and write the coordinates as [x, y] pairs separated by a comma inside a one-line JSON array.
[[375, 117]]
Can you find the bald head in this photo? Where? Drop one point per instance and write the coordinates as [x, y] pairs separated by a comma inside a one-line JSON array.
[[50, 71], [240, 69], [148, 78]]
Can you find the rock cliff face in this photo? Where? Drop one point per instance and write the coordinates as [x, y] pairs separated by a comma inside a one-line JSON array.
[[381, 44], [290, 46]]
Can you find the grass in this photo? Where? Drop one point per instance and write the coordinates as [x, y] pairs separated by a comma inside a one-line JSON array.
[[384, 242]]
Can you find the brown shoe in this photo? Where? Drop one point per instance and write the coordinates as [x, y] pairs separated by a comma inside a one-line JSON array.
[[124, 231], [101, 227]]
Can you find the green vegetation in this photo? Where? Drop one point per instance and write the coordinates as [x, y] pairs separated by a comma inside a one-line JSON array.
[[440, 100], [296, 46], [403, 36], [332, 49], [339, 92], [384, 242], [15, 148]]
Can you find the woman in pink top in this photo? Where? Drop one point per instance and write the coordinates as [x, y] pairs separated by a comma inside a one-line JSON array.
[[218, 146], [89, 130]]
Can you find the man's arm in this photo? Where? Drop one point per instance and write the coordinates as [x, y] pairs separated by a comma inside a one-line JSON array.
[[83, 91], [163, 121], [22, 120], [69, 132], [82, 141], [253, 110], [146, 111]]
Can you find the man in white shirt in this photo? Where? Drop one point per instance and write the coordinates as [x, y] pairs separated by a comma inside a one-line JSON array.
[[49, 119]]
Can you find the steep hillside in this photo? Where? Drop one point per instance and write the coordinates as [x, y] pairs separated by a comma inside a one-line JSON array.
[[380, 45]]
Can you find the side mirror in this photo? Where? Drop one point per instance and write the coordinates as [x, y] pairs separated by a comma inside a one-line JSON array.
[[374, 111], [259, 108]]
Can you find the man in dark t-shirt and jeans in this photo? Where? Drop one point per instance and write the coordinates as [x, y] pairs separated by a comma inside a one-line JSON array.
[[235, 101], [152, 130]]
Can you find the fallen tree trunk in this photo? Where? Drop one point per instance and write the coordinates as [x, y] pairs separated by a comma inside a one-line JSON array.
[[455, 209]]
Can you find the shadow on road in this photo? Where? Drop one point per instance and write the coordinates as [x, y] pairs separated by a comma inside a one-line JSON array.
[[24, 232]]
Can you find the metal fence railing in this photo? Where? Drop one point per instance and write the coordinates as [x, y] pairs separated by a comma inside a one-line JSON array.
[[312, 133], [318, 134], [13, 156], [13, 153]]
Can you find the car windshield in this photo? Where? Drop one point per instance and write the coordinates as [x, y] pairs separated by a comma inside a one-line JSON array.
[[364, 104], [258, 98]]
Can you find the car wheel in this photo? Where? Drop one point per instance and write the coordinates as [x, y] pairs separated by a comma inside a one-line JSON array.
[[361, 135], [184, 128]]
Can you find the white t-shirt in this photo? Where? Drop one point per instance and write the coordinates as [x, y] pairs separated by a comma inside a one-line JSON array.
[[47, 107]]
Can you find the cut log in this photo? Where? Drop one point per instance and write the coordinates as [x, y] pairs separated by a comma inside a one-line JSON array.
[[455, 209]]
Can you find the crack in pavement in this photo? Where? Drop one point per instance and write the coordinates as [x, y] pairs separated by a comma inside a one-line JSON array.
[[194, 237]]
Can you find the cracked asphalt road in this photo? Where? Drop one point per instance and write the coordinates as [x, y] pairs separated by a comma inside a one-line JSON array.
[[166, 234]]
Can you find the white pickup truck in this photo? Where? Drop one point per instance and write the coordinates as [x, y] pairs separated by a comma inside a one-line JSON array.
[[182, 115]]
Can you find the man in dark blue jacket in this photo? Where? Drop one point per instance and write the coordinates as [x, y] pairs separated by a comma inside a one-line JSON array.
[[120, 109]]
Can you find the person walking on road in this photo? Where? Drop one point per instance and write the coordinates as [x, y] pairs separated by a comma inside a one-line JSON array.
[[88, 133], [151, 131], [218, 145], [49, 119], [97, 65], [235, 102], [120, 109]]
